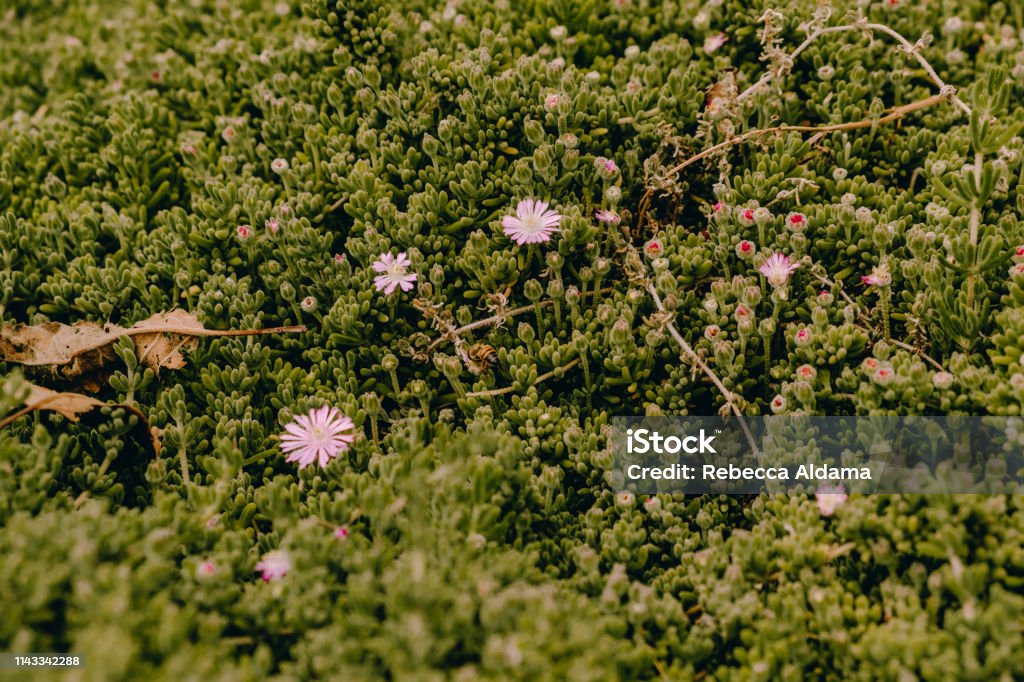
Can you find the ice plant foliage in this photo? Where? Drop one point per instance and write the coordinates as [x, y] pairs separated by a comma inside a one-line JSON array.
[[403, 134], [317, 437], [394, 273], [533, 222]]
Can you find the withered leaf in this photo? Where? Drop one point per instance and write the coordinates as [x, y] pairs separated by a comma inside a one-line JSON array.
[[73, 405], [80, 350]]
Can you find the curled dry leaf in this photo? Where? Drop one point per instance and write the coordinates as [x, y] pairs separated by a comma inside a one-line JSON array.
[[74, 405], [80, 351]]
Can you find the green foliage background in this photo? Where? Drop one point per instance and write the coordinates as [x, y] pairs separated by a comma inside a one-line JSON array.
[[485, 543]]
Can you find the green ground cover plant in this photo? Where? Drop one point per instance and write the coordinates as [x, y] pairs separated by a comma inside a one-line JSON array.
[[431, 248]]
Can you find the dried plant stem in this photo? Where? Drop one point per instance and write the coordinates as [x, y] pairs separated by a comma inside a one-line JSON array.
[[703, 366], [510, 389], [894, 114], [946, 91], [497, 318]]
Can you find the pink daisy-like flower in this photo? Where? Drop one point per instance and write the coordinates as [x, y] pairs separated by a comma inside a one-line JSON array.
[[393, 273], [244, 232], [654, 248], [712, 43], [829, 498], [341, 532], [803, 335], [274, 565], [879, 277], [777, 268], [743, 312], [806, 372], [317, 437], [712, 331], [606, 216], [533, 222], [279, 165]]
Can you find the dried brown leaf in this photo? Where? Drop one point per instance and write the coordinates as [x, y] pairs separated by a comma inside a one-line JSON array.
[[73, 405], [78, 351]]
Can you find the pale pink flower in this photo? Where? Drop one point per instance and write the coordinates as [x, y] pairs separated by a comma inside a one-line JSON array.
[[1016, 269], [718, 207], [274, 565], [533, 222], [244, 232], [803, 335], [712, 331], [339, 258], [797, 222], [341, 532], [745, 249], [712, 43], [806, 372], [883, 376], [829, 498], [206, 569], [870, 364], [743, 312], [272, 225], [746, 216], [228, 133], [606, 216], [778, 404], [317, 437], [279, 165], [879, 277], [552, 101], [942, 380], [394, 273], [654, 248], [777, 268], [606, 167]]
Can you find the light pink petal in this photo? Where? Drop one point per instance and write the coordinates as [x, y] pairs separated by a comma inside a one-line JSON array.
[[510, 222]]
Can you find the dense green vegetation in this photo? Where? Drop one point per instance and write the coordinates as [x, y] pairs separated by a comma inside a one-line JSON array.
[[249, 161]]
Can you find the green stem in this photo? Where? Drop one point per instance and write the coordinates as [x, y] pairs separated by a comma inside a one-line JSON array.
[[886, 294], [975, 224]]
